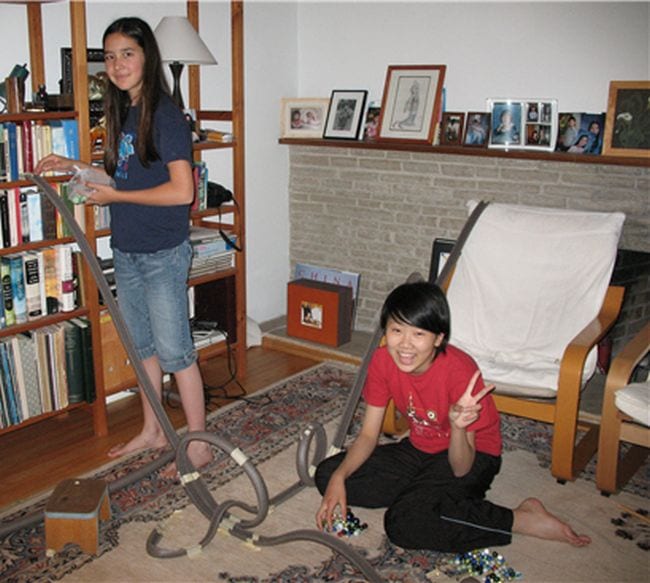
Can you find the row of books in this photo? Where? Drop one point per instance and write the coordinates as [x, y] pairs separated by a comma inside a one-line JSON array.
[[212, 250], [45, 370], [27, 216], [24, 143], [39, 282]]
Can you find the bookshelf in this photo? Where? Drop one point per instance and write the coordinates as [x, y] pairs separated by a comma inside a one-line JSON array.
[[219, 296]]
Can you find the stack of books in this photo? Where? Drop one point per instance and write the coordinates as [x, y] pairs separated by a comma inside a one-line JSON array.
[[210, 251]]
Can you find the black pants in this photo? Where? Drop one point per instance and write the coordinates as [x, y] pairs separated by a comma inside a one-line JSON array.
[[427, 506]]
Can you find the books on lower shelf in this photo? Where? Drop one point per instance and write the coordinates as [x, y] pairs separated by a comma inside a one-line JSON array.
[[211, 251], [45, 370]]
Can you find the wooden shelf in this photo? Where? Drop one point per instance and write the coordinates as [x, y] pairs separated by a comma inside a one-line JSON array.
[[468, 151], [42, 321]]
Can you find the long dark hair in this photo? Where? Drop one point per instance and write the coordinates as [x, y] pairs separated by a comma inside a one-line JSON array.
[[420, 304], [117, 102]]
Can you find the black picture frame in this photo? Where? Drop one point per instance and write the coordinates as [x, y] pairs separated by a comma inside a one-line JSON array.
[[439, 254], [345, 114], [95, 58]]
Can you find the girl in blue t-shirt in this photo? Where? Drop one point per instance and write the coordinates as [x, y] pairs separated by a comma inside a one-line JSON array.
[[432, 483], [148, 152]]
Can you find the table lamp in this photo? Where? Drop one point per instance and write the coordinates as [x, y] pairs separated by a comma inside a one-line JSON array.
[[180, 45]]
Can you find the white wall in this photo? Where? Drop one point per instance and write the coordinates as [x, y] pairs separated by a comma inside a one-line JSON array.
[[568, 51]]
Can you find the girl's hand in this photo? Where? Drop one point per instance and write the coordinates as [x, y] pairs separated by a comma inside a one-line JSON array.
[[466, 410], [334, 496], [100, 193], [54, 162]]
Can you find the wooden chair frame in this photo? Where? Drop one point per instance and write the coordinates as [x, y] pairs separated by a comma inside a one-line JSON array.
[[615, 426]]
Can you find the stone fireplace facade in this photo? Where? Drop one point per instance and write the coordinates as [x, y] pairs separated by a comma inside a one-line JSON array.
[[377, 212]]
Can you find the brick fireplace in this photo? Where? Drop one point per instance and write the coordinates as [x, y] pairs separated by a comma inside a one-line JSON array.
[[377, 212]]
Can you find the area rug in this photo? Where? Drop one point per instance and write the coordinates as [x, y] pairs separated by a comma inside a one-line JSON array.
[[267, 429]]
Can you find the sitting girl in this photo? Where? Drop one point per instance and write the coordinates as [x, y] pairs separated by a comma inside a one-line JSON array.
[[432, 483]]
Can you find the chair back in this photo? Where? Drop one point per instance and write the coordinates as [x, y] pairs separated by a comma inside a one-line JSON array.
[[528, 281]]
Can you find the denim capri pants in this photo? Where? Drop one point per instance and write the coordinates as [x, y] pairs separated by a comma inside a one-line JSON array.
[[152, 296]]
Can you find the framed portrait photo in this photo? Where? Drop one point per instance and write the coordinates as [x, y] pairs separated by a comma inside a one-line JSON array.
[[303, 117], [529, 124], [451, 128], [477, 129], [580, 133], [410, 107], [97, 80], [345, 114], [371, 124], [627, 130]]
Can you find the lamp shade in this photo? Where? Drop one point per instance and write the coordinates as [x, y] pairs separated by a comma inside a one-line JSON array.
[[179, 42]]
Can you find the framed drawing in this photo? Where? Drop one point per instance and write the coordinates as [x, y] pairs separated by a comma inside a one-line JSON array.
[[530, 124], [580, 133], [451, 128], [477, 129], [97, 80], [627, 131], [303, 117], [410, 107], [345, 114]]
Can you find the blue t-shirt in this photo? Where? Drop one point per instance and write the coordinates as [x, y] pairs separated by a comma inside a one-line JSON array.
[[138, 228]]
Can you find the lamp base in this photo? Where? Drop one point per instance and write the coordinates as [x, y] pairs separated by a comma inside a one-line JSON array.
[[177, 69]]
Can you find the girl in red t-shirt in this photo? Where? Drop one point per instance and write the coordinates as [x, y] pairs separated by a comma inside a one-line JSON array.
[[434, 482]]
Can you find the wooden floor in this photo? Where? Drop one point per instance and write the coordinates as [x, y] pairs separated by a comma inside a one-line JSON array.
[[36, 458]]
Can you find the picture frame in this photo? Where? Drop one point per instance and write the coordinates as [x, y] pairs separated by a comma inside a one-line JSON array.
[[477, 129], [371, 123], [627, 129], [440, 252], [303, 117], [529, 124], [580, 133], [411, 103], [451, 128], [345, 114], [97, 80]]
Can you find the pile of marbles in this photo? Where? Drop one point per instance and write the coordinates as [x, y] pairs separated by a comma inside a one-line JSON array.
[[480, 565], [351, 526]]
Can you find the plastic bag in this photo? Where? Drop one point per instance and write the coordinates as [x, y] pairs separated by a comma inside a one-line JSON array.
[[78, 189]]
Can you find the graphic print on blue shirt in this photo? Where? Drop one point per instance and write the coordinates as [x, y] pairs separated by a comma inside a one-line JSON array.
[[126, 149]]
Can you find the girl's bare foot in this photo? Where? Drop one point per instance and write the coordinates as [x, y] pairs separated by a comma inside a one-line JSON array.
[[200, 454], [533, 519], [139, 442]]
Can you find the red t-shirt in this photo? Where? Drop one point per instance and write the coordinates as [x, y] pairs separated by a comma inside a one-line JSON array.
[[424, 399]]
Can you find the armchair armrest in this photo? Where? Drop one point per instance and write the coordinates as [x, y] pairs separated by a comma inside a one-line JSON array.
[[626, 360]]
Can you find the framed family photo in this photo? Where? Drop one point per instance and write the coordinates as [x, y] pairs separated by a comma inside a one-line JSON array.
[[529, 124], [303, 117], [580, 133], [345, 114], [451, 128], [477, 129], [411, 103], [627, 131]]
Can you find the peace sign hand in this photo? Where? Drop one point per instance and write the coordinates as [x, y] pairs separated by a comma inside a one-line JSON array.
[[466, 410]]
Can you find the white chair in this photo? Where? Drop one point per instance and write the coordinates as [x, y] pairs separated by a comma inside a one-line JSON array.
[[625, 417], [530, 299]]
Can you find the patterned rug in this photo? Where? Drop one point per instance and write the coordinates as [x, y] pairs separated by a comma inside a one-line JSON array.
[[267, 425]]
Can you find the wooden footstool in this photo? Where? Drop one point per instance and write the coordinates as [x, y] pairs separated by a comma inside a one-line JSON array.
[[72, 514]]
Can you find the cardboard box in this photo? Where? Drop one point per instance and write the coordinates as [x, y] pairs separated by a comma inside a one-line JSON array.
[[319, 312]]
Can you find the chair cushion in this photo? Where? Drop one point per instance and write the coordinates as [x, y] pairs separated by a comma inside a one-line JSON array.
[[634, 400], [528, 280]]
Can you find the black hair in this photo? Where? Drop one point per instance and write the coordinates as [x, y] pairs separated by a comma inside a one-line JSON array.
[[420, 304]]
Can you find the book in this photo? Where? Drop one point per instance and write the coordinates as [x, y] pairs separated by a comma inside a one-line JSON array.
[[66, 277], [7, 293], [42, 369], [74, 362], [71, 136], [59, 363], [27, 146], [12, 140], [27, 352], [3, 161], [8, 383], [4, 218], [34, 215], [18, 287], [15, 224], [18, 374], [32, 274], [51, 280], [88, 364]]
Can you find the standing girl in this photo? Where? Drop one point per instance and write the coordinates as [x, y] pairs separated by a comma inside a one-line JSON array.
[[148, 152], [433, 483]]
